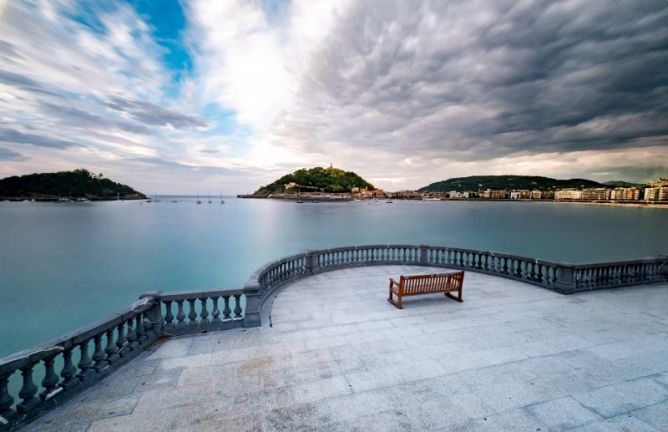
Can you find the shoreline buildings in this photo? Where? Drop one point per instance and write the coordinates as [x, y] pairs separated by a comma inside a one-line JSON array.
[[656, 192]]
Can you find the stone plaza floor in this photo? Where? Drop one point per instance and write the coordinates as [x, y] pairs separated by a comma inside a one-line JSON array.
[[339, 357]]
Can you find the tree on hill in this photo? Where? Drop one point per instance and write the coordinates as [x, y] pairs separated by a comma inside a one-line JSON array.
[[75, 184], [329, 179]]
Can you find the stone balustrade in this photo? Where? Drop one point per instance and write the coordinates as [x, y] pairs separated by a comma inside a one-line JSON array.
[[560, 277], [61, 368], [51, 373], [191, 312], [47, 375]]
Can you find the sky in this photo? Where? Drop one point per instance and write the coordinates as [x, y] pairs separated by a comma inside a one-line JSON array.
[[188, 97]]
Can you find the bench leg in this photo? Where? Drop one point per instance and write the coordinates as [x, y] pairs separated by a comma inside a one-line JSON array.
[[397, 303], [458, 298], [391, 299]]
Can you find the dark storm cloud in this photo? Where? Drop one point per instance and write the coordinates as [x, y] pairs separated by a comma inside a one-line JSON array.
[[6, 154], [13, 136], [154, 115], [481, 79]]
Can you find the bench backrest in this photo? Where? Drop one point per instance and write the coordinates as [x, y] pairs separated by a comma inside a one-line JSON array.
[[431, 283]]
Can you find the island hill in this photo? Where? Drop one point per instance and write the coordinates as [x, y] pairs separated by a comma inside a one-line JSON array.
[[79, 184], [314, 183]]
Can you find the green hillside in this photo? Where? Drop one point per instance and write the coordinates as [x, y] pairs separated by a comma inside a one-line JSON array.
[[474, 183], [79, 183], [621, 183], [331, 180]]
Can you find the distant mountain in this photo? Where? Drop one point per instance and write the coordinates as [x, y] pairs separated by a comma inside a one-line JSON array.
[[79, 183], [474, 183], [316, 179]]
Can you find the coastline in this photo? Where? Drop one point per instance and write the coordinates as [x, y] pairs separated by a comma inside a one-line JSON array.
[[58, 199], [327, 198]]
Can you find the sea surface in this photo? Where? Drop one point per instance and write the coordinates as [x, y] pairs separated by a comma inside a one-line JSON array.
[[65, 265]]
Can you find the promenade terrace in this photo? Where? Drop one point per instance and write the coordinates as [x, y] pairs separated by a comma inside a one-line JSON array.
[[338, 357]]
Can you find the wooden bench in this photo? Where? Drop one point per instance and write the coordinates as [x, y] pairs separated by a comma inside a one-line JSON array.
[[426, 284]]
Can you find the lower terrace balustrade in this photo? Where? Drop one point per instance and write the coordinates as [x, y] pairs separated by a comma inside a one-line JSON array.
[[36, 380]]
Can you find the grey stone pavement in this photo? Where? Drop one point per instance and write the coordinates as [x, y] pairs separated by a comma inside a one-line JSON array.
[[339, 357]]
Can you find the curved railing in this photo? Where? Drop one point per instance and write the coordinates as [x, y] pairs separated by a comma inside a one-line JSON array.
[[560, 277], [35, 380]]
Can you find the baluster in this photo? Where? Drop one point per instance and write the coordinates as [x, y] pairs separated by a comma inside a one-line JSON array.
[[540, 277], [110, 349], [133, 340], [68, 372], [50, 381], [226, 309], [98, 353], [532, 272], [28, 391], [148, 328], [180, 315], [216, 313], [204, 314], [192, 315], [139, 328], [6, 400], [85, 362], [120, 341], [237, 306], [169, 318]]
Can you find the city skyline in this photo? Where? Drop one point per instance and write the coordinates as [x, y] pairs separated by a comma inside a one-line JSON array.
[[196, 96]]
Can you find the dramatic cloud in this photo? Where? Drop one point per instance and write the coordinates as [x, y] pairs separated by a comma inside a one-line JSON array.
[[405, 93], [6, 154], [151, 114], [11, 136]]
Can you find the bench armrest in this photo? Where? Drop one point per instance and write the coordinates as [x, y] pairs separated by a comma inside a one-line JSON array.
[[393, 282]]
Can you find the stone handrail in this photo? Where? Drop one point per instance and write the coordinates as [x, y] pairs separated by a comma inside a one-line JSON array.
[[560, 277], [74, 362]]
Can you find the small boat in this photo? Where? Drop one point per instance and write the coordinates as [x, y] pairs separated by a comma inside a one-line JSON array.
[[388, 202], [198, 200], [208, 199], [300, 202], [222, 201]]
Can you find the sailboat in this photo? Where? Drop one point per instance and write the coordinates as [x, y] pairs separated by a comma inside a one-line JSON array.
[[222, 201], [198, 200], [208, 199]]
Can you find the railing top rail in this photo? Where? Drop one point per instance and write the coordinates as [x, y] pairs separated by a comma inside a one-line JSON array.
[[496, 254], [649, 260], [185, 295], [73, 338], [363, 247]]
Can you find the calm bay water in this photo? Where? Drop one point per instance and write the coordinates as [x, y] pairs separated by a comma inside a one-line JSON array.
[[65, 265]]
